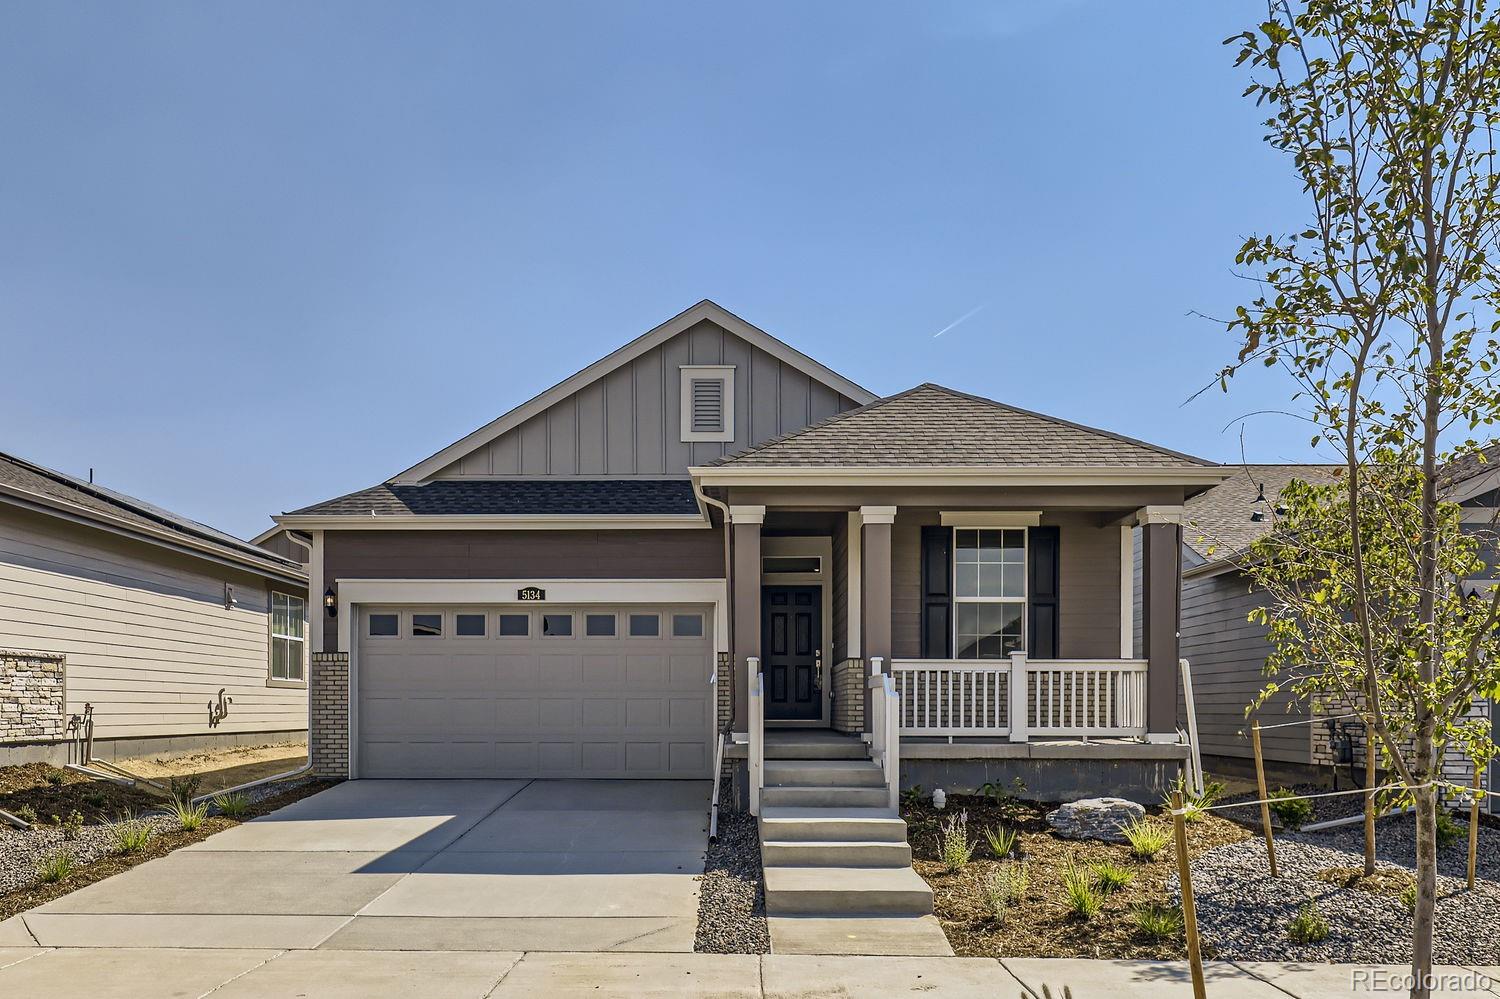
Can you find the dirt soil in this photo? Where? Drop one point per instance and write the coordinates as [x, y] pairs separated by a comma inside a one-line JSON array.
[[158, 846], [1040, 925], [45, 790], [221, 768]]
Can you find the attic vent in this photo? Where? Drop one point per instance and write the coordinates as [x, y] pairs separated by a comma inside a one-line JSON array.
[[708, 405], [707, 402]]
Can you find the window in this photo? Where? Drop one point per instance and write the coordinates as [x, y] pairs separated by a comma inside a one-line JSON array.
[[468, 625], [383, 625], [288, 637], [707, 402], [557, 625], [599, 625], [427, 626], [645, 626], [989, 587], [791, 563], [515, 625], [687, 625]]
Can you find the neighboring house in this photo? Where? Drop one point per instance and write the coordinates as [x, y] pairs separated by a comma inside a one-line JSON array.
[[584, 586], [167, 634], [1228, 652]]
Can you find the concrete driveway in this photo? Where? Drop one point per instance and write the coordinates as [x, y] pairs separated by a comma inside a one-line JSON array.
[[419, 866]]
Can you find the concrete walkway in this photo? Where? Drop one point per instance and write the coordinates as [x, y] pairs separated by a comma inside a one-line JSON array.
[[117, 973]]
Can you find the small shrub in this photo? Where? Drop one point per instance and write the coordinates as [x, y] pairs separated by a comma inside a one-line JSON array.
[[131, 835], [1194, 805], [1006, 886], [95, 799], [1001, 840], [1110, 877], [954, 846], [1083, 899], [1147, 838], [1293, 812], [72, 826], [25, 813], [235, 806], [54, 776], [1159, 922], [1409, 899], [57, 866], [1308, 926], [1449, 830], [189, 816], [912, 797], [184, 788]]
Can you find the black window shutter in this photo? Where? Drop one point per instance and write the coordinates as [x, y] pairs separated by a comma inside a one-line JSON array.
[[937, 592], [1042, 592]]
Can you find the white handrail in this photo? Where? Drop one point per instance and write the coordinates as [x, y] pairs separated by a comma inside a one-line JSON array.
[[885, 730], [757, 734]]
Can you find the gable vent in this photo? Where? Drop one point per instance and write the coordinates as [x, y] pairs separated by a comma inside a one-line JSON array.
[[708, 405]]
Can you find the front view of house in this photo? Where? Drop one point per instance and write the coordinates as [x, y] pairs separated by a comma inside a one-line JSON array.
[[707, 533]]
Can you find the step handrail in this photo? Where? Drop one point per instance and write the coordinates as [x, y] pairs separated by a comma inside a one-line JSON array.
[[757, 734]]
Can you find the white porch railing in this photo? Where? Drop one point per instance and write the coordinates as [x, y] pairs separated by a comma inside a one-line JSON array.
[[1019, 698], [885, 727], [757, 704]]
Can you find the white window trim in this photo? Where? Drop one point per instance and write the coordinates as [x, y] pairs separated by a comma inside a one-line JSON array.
[[283, 681], [689, 372], [1024, 599]]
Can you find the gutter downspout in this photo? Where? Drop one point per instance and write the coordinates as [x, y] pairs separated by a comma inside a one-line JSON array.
[[713, 814]]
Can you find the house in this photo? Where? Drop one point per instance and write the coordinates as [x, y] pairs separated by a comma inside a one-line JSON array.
[[1228, 652], [153, 632], [708, 534]]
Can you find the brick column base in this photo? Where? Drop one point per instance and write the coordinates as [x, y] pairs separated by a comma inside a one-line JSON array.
[[328, 733]]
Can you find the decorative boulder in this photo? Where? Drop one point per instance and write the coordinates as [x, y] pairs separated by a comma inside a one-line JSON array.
[[1094, 818]]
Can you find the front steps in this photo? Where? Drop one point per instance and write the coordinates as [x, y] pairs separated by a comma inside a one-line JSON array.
[[837, 865]]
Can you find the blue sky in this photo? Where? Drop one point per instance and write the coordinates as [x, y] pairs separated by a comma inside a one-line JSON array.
[[256, 255]]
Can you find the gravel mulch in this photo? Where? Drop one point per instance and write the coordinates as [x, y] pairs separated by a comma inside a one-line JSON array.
[[732, 894], [1243, 913]]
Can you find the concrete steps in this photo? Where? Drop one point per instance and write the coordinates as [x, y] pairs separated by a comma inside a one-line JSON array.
[[813, 744], [824, 773], [846, 891], [825, 797], [834, 853], [878, 825]]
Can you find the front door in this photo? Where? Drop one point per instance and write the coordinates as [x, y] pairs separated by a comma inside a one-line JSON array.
[[791, 649]]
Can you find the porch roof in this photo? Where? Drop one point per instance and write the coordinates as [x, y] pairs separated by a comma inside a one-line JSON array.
[[931, 426]]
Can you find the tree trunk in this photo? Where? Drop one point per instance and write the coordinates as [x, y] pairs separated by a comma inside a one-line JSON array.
[[1422, 921]]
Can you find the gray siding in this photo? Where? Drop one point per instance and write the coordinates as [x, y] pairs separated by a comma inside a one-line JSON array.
[[282, 544], [839, 577], [629, 422], [1228, 655], [147, 638]]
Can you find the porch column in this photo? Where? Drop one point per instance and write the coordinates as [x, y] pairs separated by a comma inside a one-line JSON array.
[[744, 582], [1161, 611], [875, 589]]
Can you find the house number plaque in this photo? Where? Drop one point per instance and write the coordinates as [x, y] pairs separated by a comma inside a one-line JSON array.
[[528, 594]]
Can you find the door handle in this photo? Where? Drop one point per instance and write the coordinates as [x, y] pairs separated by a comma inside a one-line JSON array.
[[818, 669]]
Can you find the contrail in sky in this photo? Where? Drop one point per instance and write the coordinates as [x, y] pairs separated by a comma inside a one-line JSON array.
[[962, 319]]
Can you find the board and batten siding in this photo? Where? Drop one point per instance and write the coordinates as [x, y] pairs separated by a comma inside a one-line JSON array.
[[628, 423], [1088, 595], [147, 638], [1227, 654]]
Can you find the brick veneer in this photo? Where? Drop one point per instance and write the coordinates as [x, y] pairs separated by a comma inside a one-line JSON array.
[[32, 689], [328, 739], [724, 717], [848, 699]]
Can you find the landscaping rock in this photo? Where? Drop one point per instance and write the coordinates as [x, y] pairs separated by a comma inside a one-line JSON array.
[[732, 894], [1095, 818]]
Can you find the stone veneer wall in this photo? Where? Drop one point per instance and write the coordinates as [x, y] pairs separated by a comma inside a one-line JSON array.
[[848, 699], [328, 738], [32, 696], [1456, 767]]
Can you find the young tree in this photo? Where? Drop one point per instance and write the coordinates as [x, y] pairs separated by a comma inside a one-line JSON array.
[[1382, 308]]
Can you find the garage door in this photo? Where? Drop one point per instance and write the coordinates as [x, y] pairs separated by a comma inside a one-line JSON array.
[[534, 691]]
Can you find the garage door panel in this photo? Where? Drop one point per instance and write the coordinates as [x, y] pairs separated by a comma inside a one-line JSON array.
[[534, 705]]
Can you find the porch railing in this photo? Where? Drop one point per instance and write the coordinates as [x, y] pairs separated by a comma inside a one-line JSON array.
[[757, 704], [1019, 697], [885, 727]]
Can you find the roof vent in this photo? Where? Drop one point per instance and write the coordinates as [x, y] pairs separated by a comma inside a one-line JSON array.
[[708, 402], [708, 405]]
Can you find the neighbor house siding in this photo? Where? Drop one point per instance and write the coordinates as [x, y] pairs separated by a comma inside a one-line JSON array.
[[1227, 654], [1089, 585], [628, 423], [144, 632]]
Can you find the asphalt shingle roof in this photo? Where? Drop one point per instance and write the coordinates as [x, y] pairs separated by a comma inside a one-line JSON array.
[[1217, 523], [575, 497], [28, 477], [933, 425]]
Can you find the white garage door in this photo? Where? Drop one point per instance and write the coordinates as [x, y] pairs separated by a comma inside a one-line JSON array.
[[534, 691]]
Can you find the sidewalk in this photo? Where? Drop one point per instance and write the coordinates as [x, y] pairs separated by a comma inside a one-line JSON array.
[[116, 973]]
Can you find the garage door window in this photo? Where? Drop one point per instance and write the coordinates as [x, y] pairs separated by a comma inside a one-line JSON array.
[[468, 625], [687, 625], [515, 625], [383, 625], [599, 625], [427, 626], [644, 626], [557, 625]]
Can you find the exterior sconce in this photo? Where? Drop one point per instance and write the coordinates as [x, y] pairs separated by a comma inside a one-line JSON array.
[[229, 598], [330, 602]]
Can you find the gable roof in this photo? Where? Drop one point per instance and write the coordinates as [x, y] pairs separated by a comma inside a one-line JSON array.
[[705, 309], [57, 492], [1217, 524], [933, 426], [515, 498]]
